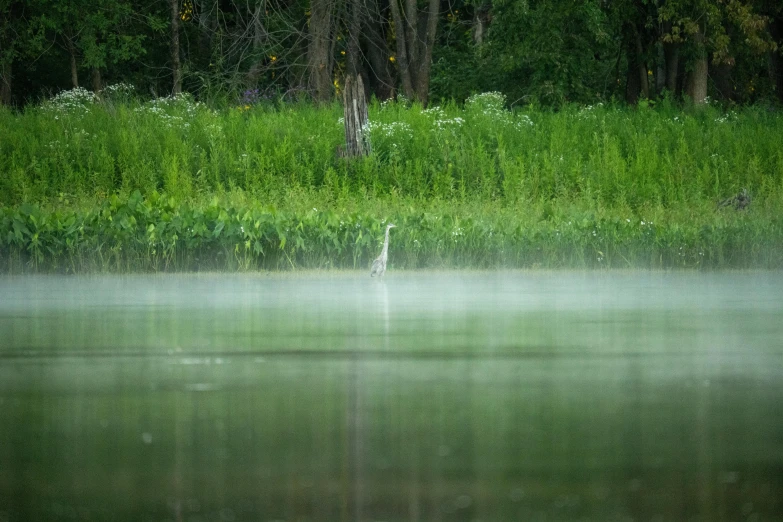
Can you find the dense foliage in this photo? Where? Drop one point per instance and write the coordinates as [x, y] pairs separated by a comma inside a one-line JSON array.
[[158, 233], [545, 51], [81, 147], [120, 184]]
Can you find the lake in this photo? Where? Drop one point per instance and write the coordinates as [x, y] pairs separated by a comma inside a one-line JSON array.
[[330, 396]]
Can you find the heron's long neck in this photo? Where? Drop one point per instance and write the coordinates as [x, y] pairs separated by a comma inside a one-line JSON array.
[[385, 251]]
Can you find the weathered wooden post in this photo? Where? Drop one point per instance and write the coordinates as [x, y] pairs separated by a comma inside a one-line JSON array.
[[357, 134]]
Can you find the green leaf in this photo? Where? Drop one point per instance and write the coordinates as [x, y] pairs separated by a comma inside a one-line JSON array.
[[218, 228]]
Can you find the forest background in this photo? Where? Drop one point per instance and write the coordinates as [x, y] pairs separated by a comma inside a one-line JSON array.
[[547, 52]]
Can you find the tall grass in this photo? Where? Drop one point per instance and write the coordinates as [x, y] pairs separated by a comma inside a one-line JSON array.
[[122, 184], [611, 155]]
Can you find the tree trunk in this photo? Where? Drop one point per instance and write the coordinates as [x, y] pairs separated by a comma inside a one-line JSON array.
[[379, 78], [696, 85], [660, 69], [641, 67], [176, 68], [8, 45], [74, 68], [414, 47], [411, 36], [480, 22], [400, 39], [425, 65], [319, 59], [354, 52], [357, 141], [6, 71], [97, 81], [671, 53], [636, 84]]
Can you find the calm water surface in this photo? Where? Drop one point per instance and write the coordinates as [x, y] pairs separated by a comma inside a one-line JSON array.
[[428, 396]]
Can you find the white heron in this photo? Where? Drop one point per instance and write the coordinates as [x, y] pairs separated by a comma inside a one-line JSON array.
[[379, 265]]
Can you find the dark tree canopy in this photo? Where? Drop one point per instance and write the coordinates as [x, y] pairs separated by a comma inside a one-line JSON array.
[[547, 52]]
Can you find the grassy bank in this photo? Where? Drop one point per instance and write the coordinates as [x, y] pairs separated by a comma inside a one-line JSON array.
[[159, 233], [118, 184]]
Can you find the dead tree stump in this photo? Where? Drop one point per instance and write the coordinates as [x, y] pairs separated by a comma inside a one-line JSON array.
[[357, 133]]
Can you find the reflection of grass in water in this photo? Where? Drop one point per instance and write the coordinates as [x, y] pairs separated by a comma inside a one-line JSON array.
[[568, 438]]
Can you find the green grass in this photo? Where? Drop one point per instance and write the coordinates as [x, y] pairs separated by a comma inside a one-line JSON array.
[[125, 185]]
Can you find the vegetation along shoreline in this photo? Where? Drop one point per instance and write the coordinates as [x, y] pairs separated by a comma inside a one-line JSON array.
[[121, 184]]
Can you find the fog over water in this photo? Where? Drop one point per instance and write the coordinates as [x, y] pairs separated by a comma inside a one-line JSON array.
[[424, 396]]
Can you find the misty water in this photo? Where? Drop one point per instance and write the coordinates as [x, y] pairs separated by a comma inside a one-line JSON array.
[[427, 396]]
